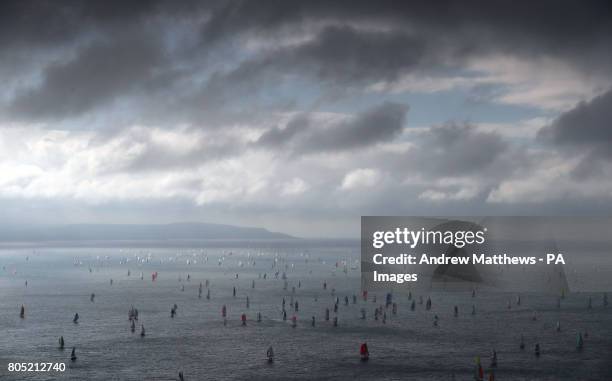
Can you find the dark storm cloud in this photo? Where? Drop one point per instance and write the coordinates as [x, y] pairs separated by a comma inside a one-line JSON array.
[[355, 42], [98, 74], [347, 54], [230, 17], [456, 150], [588, 124], [90, 52], [545, 18], [304, 135], [365, 42], [585, 130], [49, 24], [336, 55], [560, 28]]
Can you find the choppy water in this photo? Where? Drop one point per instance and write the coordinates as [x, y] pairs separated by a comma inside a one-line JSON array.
[[408, 346]]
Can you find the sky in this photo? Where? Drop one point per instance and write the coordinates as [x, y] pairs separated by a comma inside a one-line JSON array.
[[302, 116]]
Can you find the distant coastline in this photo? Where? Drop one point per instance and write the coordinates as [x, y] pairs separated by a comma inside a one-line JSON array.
[[300, 244], [134, 232]]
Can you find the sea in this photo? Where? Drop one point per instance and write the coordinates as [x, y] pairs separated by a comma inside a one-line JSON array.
[[61, 277]]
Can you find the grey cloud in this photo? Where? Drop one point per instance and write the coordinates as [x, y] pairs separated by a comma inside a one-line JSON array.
[[362, 41], [592, 165], [459, 149], [451, 158], [415, 38], [119, 47], [584, 130], [46, 23], [559, 28], [587, 124], [276, 136], [98, 74], [338, 56], [345, 54], [302, 135], [379, 124], [453, 150], [156, 157]]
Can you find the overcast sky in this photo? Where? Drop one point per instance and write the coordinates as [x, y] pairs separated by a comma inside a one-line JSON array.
[[302, 116]]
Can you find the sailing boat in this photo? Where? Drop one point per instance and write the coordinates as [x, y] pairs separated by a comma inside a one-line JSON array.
[[364, 352], [494, 359], [22, 312], [76, 318], [61, 342], [73, 356], [479, 374], [142, 331], [270, 355]]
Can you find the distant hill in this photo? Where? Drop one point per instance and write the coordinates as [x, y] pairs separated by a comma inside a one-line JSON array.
[[104, 232]]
